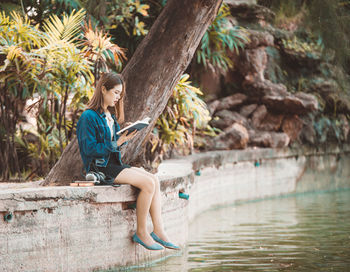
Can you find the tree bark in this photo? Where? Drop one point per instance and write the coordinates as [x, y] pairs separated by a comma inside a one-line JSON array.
[[150, 76]]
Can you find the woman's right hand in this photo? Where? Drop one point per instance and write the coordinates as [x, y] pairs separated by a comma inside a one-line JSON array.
[[126, 137]]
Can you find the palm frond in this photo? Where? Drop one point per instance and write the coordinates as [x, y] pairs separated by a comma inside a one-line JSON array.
[[65, 30]]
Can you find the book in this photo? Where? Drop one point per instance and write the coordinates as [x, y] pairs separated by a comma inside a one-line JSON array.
[[81, 184], [138, 125]]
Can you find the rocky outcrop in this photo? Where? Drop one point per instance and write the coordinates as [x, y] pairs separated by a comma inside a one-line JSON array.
[[247, 110], [292, 126], [268, 139], [277, 97], [227, 118], [227, 103], [335, 99], [234, 137], [250, 12]]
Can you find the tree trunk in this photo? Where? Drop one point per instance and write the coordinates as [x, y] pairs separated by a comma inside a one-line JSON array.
[[151, 75]]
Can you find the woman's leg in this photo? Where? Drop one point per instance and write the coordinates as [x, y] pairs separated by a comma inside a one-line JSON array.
[[155, 208], [144, 199]]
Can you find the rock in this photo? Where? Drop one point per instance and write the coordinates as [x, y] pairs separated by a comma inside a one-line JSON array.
[[279, 139], [210, 83], [255, 87], [345, 126], [271, 122], [228, 102], [253, 63], [261, 138], [296, 104], [227, 118], [335, 99], [246, 111], [234, 137], [302, 59], [250, 12], [277, 98], [212, 106], [337, 102], [259, 39], [273, 70], [292, 126], [258, 115], [308, 133], [268, 139], [324, 87]]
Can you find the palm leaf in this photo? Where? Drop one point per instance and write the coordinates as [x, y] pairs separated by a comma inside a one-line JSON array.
[[65, 30]]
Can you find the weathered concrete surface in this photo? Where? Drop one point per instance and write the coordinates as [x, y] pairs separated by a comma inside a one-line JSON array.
[[90, 228]]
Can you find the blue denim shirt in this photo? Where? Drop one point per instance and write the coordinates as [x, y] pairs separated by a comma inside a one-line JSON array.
[[94, 138]]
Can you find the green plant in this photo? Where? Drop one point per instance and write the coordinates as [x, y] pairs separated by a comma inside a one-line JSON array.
[[328, 19], [21, 65], [99, 49], [185, 116], [299, 46], [328, 129], [219, 37], [127, 15], [55, 67]]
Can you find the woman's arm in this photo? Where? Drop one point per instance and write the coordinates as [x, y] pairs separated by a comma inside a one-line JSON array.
[[87, 140]]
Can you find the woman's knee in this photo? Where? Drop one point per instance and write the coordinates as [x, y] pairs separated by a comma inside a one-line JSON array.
[[156, 181], [137, 179], [152, 176], [149, 185]]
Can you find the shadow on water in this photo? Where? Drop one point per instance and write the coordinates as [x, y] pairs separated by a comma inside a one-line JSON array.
[[304, 232]]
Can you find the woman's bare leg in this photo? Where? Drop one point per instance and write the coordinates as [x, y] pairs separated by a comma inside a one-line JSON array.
[[155, 208], [144, 199]]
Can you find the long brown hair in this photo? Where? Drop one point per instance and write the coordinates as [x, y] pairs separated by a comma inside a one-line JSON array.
[[109, 80]]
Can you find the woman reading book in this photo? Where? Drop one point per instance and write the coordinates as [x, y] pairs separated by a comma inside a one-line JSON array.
[[99, 146]]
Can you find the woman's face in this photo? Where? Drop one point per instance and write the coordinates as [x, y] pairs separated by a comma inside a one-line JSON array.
[[112, 96]]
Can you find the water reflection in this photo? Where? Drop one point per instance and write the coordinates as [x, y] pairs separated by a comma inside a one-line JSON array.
[[308, 232]]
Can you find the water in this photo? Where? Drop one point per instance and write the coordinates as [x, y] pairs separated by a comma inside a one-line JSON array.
[[309, 232]]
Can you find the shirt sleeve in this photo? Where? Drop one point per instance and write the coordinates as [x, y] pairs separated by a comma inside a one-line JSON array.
[[87, 134]]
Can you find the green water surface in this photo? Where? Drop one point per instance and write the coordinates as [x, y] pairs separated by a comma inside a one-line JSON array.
[[309, 232]]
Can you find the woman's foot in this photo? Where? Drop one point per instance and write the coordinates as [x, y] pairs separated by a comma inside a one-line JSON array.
[[145, 238], [163, 239], [152, 246], [162, 235]]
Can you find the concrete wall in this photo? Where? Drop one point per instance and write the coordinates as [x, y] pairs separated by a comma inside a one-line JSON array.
[[90, 229]]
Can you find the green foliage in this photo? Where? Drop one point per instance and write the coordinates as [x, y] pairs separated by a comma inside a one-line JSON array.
[[185, 116], [19, 73], [219, 37], [54, 66], [126, 14], [328, 129], [328, 19], [101, 51], [331, 20], [21, 59], [298, 46]]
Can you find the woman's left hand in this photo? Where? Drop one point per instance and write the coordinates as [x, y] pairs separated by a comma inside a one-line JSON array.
[[126, 124], [126, 137]]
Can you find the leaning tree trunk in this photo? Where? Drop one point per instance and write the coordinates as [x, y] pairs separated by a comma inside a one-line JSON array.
[[150, 75]]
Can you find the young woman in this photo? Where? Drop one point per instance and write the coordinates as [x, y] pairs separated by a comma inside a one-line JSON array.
[[100, 148]]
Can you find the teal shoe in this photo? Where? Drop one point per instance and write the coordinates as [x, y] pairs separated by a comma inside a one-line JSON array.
[[166, 244], [155, 246]]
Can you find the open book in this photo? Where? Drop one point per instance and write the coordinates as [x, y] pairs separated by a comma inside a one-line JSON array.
[[138, 125]]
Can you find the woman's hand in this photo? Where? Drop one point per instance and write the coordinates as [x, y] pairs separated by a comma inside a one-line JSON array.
[[126, 124], [126, 137]]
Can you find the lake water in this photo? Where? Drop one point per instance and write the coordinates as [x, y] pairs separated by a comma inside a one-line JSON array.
[[309, 232]]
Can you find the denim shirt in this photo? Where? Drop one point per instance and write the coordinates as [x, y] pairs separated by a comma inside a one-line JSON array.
[[94, 139]]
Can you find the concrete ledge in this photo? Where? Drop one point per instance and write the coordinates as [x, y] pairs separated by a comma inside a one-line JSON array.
[[89, 228]]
